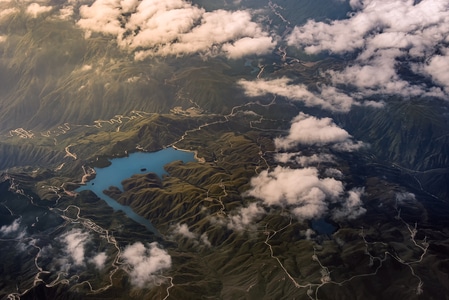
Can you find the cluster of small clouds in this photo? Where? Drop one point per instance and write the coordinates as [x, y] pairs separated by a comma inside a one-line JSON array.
[[160, 28], [142, 262], [175, 27], [145, 263], [382, 34], [9, 8], [303, 192], [296, 184], [184, 231], [75, 242], [69, 251], [352, 206], [384, 37], [306, 194], [71, 244], [300, 188]]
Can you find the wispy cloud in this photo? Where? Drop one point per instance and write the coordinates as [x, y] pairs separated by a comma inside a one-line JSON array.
[[74, 242], [99, 260], [205, 240], [304, 160], [405, 197], [351, 206], [328, 98], [244, 218], [184, 231]]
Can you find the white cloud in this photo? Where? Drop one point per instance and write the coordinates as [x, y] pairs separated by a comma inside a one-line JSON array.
[[300, 189], [309, 130], [335, 37], [308, 233], [383, 34], [304, 193], [99, 260], [437, 68], [102, 16], [145, 263], [183, 229], [175, 27], [35, 9], [377, 75], [249, 46], [351, 207], [66, 12], [328, 97], [12, 228], [205, 240], [8, 12], [74, 245], [379, 25], [86, 68], [243, 218]]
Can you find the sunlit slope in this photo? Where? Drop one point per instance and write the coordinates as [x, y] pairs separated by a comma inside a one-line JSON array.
[[75, 145], [28, 154], [50, 74], [224, 257]]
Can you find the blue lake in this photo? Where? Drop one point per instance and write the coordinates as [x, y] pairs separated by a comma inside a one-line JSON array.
[[125, 167], [323, 227]]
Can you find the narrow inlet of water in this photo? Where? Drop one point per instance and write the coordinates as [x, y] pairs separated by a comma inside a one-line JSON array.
[[125, 167]]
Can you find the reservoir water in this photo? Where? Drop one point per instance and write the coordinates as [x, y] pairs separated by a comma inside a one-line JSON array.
[[321, 226], [125, 167]]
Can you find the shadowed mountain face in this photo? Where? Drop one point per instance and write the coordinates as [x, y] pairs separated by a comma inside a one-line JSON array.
[[412, 135], [320, 131]]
